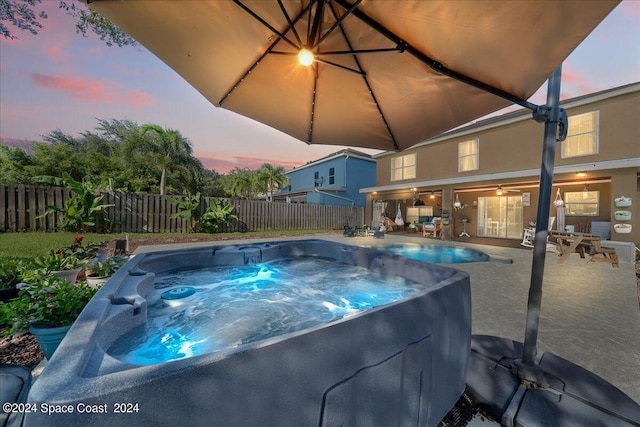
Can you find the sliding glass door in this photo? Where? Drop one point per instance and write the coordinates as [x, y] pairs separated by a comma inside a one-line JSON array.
[[500, 216]]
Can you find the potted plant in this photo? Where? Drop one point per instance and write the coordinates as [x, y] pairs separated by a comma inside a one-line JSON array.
[[10, 275], [99, 273], [60, 264], [47, 308]]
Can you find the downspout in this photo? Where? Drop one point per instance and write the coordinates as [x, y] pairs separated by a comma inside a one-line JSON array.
[[315, 190]]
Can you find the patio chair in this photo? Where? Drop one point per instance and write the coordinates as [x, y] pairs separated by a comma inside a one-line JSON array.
[[529, 234], [527, 237], [433, 229]]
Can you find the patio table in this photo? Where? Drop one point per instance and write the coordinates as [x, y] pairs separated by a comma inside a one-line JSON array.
[[576, 243]]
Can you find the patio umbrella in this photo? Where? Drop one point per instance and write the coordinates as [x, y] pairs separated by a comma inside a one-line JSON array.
[[382, 74], [378, 74]]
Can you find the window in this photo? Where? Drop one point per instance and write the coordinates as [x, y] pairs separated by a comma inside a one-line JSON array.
[[468, 158], [582, 136], [332, 176], [403, 167], [316, 179], [582, 203]]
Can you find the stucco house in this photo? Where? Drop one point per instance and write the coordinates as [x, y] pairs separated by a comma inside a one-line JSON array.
[[487, 173], [335, 179]]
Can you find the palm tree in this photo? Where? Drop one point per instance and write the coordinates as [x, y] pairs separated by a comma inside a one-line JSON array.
[[242, 183], [173, 150], [271, 179]]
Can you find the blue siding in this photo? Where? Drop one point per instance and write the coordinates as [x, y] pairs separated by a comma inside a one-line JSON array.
[[349, 172]]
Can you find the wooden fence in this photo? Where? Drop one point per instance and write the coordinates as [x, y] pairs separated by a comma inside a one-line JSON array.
[[22, 207]]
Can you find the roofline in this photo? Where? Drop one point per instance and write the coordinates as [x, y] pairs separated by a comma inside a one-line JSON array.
[[525, 173], [342, 153], [521, 115], [310, 190]]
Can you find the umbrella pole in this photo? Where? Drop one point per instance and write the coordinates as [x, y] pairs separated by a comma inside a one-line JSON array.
[[550, 114]]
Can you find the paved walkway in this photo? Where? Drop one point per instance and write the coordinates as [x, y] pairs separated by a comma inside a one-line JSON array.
[[590, 313]]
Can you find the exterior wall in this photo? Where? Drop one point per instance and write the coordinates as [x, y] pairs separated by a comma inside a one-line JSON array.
[[350, 175], [517, 146], [510, 149], [360, 174]]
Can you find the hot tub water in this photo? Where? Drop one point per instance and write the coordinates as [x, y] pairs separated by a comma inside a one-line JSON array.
[[232, 306]]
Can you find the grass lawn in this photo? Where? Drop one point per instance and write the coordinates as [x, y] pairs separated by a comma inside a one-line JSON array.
[[33, 244]]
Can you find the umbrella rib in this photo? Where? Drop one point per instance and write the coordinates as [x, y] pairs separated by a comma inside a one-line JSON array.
[[313, 104], [266, 52], [293, 28], [265, 23], [338, 21], [366, 82], [432, 63], [342, 67]]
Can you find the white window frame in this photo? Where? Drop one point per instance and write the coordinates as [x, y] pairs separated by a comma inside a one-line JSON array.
[[573, 134], [405, 169], [579, 200], [475, 155]]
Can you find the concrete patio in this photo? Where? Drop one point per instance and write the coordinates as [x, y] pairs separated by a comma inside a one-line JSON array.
[[590, 313]]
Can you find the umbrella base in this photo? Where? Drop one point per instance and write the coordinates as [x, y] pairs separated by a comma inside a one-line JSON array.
[[564, 393]]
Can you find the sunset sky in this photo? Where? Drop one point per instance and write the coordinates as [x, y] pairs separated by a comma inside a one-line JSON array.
[[60, 80]]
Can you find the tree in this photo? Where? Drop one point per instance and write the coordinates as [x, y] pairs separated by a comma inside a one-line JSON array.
[[22, 15], [14, 165], [116, 155], [173, 150], [241, 183], [272, 178]]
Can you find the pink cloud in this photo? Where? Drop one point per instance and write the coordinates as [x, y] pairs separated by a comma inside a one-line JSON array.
[[83, 89], [631, 8], [137, 98], [224, 163], [55, 54], [575, 84]]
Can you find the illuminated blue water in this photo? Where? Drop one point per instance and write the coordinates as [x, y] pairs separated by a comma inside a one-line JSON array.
[[238, 305], [437, 254]]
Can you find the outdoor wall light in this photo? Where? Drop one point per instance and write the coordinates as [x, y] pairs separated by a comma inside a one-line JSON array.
[[305, 57]]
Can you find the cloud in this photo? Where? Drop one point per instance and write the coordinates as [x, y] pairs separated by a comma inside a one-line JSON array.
[[224, 163], [575, 83], [56, 54], [93, 91]]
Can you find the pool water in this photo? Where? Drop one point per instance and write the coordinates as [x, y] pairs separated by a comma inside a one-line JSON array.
[[437, 253], [237, 305]]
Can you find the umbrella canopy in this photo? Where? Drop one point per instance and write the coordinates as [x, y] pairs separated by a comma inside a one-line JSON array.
[[382, 74]]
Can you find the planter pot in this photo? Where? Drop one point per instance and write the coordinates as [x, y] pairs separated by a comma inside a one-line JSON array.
[[68, 275], [7, 294], [622, 228], [96, 281], [622, 202], [622, 215], [49, 337]]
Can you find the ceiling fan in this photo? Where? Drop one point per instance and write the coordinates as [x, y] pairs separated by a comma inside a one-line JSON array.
[[431, 194], [501, 191]]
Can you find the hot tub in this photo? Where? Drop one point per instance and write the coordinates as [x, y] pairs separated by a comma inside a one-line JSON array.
[[401, 363]]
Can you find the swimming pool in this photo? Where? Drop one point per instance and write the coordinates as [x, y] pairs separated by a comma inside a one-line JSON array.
[[437, 254]]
